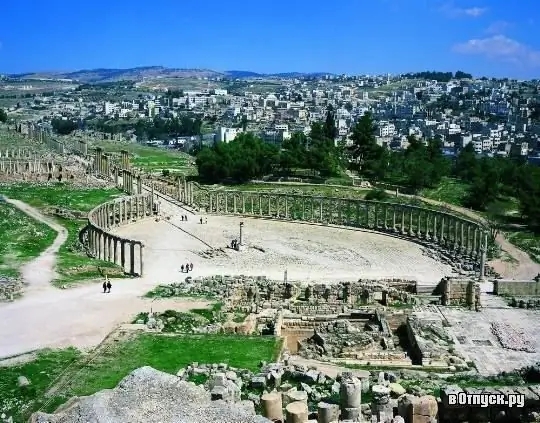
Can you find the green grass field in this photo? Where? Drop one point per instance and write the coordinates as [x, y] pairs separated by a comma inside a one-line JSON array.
[[21, 239], [73, 265], [451, 191], [165, 353], [153, 159]]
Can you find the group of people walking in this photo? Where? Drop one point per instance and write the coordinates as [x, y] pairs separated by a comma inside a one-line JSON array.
[[187, 267], [184, 218]]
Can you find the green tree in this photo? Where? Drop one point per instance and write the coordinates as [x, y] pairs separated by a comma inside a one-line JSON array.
[[367, 155], [467, 165], [293, 154], [485, 187], [330, 129], [63, 127], [3, 116], [529, 196]]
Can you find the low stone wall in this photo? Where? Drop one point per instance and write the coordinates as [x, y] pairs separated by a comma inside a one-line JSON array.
[[461, 238], [449, 413], [106, 246], [517, 288]]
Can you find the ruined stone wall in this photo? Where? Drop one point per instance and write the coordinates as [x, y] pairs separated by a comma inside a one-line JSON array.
[[466, 413], [516, 288]]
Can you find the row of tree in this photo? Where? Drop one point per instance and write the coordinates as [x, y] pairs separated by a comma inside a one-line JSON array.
[[421, 165]]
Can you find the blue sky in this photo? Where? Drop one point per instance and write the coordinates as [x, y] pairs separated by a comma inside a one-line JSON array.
[[484, 37]]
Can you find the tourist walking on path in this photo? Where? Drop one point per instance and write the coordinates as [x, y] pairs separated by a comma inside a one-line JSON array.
[[105, 286], [109, 286], [187, 267], [201, 220], [182, 268], [190, 266]]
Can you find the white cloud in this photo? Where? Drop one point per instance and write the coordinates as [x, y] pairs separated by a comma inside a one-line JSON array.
[[451, 10], [498, 27], [474, 11], [499, 47]]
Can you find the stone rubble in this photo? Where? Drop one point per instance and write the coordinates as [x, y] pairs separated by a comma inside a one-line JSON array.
[[512, 338]]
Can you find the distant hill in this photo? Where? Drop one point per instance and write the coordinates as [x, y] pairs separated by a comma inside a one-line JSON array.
[[151, 72]]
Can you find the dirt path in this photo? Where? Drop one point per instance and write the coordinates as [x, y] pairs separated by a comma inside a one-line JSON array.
[[522, 267], [39, 272]]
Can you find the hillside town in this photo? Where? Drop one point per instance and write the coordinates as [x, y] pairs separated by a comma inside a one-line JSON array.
[[499, 117]]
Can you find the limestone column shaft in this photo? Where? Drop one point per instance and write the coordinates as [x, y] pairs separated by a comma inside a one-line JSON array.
[[132, 258]]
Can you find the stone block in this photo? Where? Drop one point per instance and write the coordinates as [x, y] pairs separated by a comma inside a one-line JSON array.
[[423, 409], [219, 393], [258, 382]]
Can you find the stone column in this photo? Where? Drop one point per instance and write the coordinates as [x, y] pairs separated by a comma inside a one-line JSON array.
[[350, 395], [123, 254], [367, 216], [141, 246], [260, 204], [327, 413], [269, 205], [419, 223], [380, 404], [321, 211], [442, 238], [115, 250], [296, 412], [403, 220], [234, 204], [132, 258], [483, 255], [272, 406], [109, 249], [385, 217], [394, 219], [411, 230], [434, 237], [100, 247]]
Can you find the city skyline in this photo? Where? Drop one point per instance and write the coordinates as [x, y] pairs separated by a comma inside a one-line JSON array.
[[391, 36]]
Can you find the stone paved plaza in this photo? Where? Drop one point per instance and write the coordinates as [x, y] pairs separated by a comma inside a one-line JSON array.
[[307, 252], [476, 340]]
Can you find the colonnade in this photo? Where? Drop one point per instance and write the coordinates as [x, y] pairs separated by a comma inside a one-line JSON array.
[[182, 190], [124, 159], [27, 166], [455, 234], [125, 252], [102, 164], [81, 147], [15, 153]]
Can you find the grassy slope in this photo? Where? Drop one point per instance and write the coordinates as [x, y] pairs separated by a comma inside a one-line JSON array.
[[21, 239], [72, 265], [166, 353], [153, 159]]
